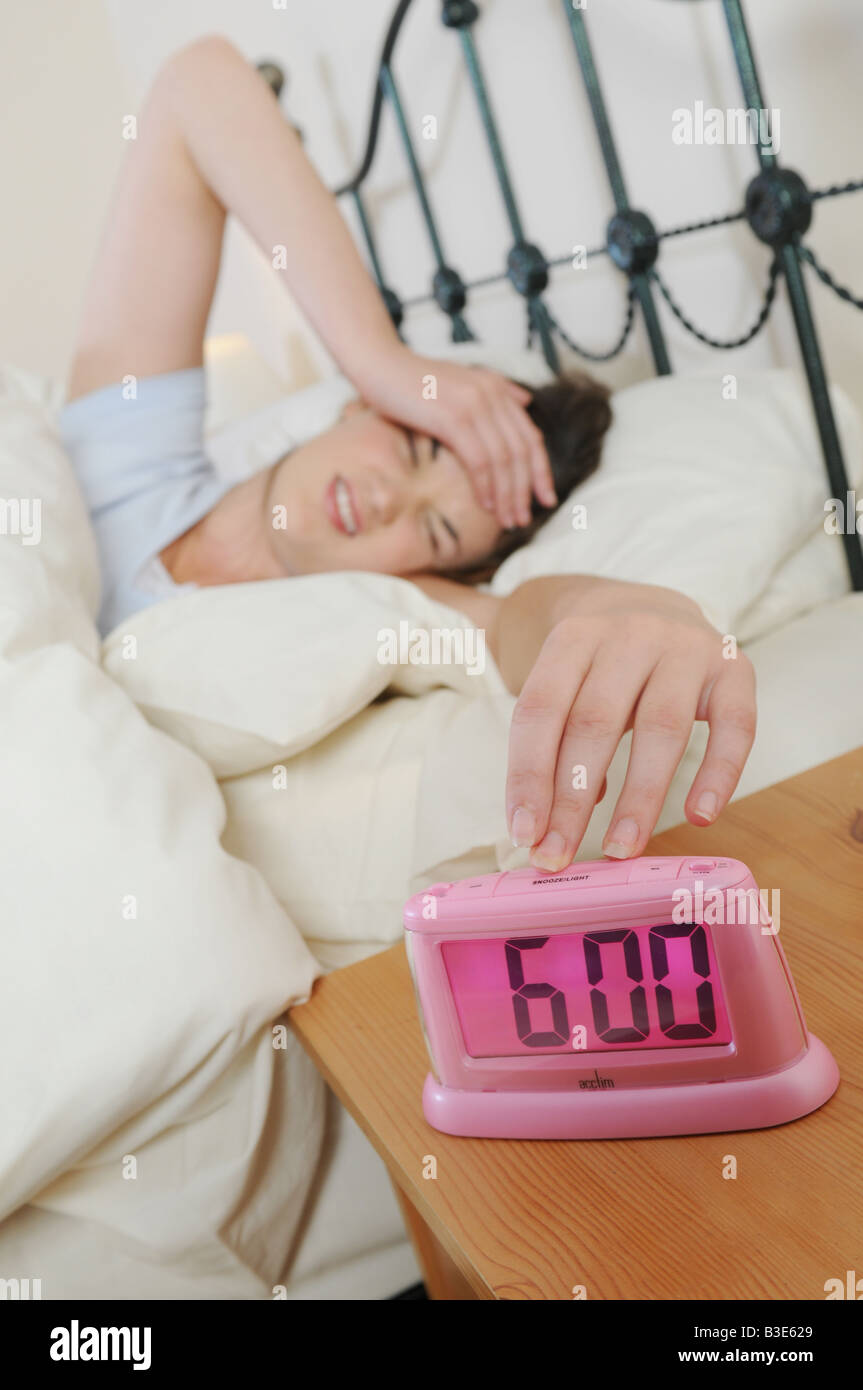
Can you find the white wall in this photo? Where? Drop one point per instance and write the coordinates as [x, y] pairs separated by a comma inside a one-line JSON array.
[[62, 97], [654, 56]]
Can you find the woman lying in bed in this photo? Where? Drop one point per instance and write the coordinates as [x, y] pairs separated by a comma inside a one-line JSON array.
[[433, 485]]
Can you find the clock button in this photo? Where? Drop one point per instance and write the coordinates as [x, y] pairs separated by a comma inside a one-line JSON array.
[[481, 887], [697, 866], [439, 890], [515, 880], [645, 870]]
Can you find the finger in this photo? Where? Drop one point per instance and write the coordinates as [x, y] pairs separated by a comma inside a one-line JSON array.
[[732, 718], [501, 465], [593, 731], [522, 490], [532, 442], [495, 380], [528, 446], [539, 466], [535, 732], [471, 450], [661, 730], [505, 429], [518, 393], [508, 420]]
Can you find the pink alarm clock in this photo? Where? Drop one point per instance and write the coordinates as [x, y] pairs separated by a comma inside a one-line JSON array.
[[609, 1000]]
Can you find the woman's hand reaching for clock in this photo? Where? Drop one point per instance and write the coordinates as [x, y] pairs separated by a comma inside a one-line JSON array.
[[617, 656]]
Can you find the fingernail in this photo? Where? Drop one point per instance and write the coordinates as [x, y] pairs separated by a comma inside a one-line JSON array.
[[622, 839], [707, 806], [552, 853], [523, 827]]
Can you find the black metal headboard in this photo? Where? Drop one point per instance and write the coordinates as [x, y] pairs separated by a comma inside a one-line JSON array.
[[778, 208]]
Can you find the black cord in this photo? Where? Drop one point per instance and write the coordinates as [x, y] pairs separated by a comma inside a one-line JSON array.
[[377, 101], [854, 186], [747, 337], [702, 226], [585, 352], [823, 274]]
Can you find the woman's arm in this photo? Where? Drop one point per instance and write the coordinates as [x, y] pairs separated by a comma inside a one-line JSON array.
[[590, 658], [212, 140]]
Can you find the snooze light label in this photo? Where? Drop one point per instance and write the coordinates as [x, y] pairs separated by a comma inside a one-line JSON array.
[[622, 988]]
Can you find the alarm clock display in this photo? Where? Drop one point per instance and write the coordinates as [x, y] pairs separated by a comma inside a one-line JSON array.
[[611, 999]]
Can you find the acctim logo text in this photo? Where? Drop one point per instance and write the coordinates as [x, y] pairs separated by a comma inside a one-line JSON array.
[[597, 1083]]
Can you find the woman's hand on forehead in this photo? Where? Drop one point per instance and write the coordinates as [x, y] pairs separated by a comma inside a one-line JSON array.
[[480, 416]]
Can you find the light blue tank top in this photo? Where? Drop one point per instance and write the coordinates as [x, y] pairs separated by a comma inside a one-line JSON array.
[[145, 476]]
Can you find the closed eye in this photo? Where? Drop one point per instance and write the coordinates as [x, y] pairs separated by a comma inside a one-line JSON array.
[[414, 453], [412, 445], [431, 528]]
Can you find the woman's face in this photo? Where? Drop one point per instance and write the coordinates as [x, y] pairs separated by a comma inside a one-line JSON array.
[[370, 495]]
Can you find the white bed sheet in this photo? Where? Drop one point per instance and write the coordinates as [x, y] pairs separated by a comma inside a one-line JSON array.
[[212, 1086]]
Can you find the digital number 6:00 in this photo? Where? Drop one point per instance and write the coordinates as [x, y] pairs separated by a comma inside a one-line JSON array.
[[639, 1028]]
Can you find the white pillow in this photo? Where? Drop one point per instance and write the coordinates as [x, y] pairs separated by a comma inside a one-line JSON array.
[[812, 576], [709, 496], [255, 440], [143, 965], [249, 675]]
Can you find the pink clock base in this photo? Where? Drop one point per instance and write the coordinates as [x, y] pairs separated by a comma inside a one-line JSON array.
[[706, 1107]]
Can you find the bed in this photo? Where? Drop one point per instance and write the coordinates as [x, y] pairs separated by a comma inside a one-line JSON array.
[[174, 795]]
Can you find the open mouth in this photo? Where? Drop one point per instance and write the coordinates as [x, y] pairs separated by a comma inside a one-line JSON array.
[[341, 507]]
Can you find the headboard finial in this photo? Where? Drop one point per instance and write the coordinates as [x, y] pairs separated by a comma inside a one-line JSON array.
[[632, 241], [778, 206], [458, 14], [527, 269]]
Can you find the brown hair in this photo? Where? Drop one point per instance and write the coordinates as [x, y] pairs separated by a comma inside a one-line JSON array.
[[572, 413]]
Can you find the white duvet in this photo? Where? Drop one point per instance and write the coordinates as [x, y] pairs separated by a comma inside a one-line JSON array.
[[235, 793]]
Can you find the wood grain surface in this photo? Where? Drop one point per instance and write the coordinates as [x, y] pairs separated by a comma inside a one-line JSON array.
[[642, 1218]]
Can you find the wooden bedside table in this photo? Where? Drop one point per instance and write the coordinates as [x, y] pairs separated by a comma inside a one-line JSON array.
[[632, 1219]]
